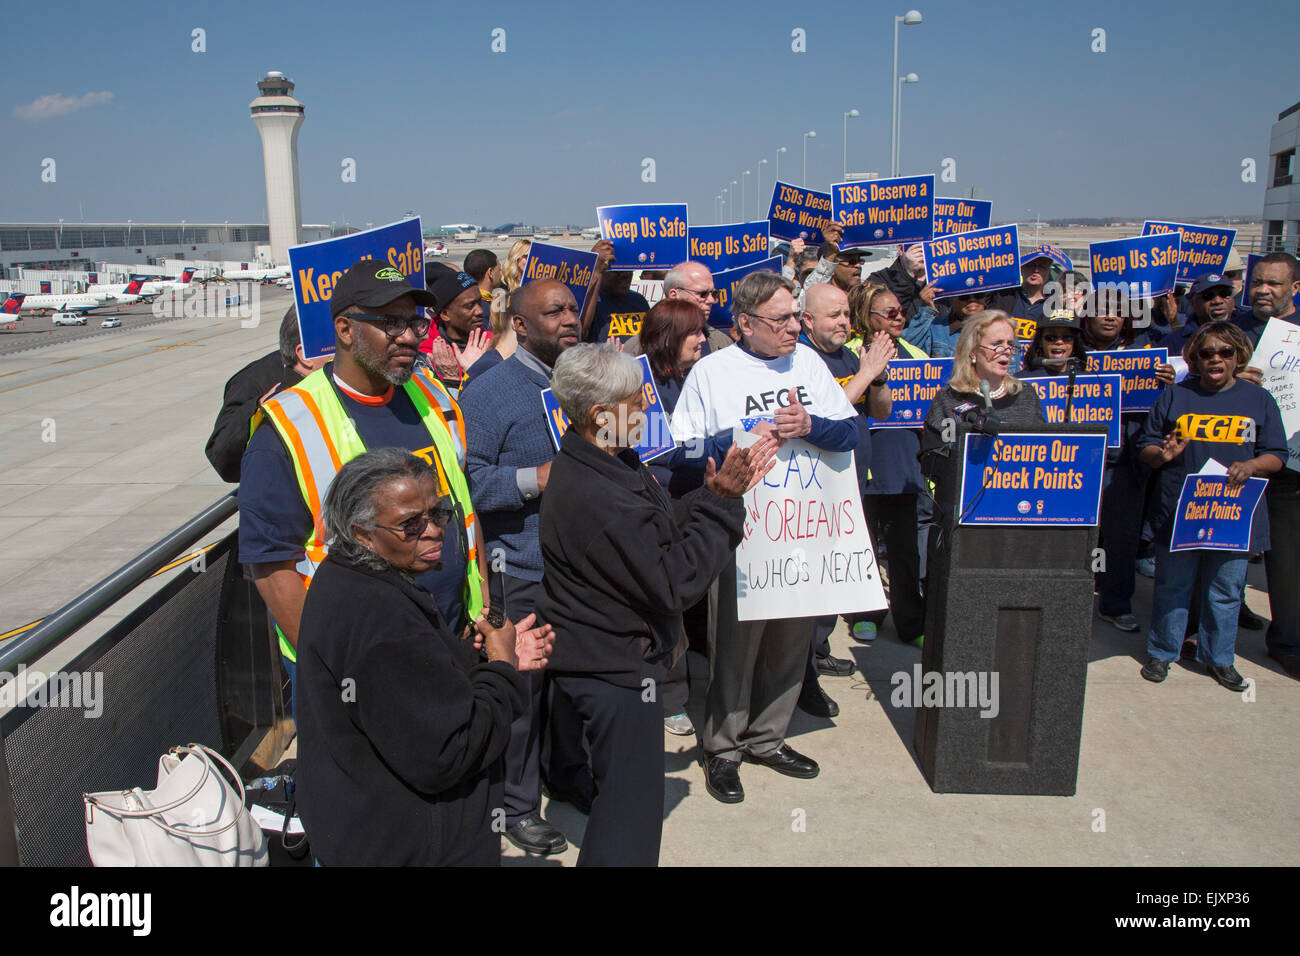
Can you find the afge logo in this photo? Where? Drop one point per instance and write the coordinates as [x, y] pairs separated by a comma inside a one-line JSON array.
[[1023, 507], [1228, 429]]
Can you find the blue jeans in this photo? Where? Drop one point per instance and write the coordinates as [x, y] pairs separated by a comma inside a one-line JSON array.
[[1223, 578]]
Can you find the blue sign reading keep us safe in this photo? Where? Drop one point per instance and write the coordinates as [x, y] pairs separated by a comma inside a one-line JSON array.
[[1032, 479], [913, 383], [976, 261], [798, 213], [655, 438], [881, 212], [729, 246], [645, 236], [960, 215], [1096, 401], [725, 282], [1146, 266], [1212, 516], [1137, 368], [317, 266], [573, 267], [1204, 248]]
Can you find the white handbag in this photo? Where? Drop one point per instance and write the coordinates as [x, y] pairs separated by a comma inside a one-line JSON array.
[[194, 817]]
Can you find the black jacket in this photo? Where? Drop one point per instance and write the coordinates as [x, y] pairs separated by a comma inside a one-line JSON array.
[[904, 286], [623, 561], [400, 726], [243, 394]]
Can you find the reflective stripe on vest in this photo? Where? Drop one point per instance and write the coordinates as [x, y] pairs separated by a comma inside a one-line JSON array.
[[320, 439]]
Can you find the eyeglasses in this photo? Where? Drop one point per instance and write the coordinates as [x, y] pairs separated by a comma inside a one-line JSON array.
[[1224, 352], [413, 527], [888, 313], [395, 325], [778, 321], [998, 349]]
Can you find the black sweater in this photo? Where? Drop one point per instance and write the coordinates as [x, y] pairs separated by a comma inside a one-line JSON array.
[[400, 727], [243, 394], [623, 561]]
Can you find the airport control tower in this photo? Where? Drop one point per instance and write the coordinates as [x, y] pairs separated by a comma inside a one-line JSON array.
[[278, 116]]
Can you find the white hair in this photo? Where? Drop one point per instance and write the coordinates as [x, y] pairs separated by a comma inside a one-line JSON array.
[[587, 375]]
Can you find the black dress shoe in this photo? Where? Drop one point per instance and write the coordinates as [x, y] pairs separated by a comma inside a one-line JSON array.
[[532, 834], [1290, 662], [581, 802], [1249, 619], [815, 701], [722, 779], [1155, 670], [785, 759], [835, 666], [1228, 677]]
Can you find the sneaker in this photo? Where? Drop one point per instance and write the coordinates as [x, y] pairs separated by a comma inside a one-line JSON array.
[[1125, 622], [1147, 567], [680, 725], [1155, 670], [864, 632]]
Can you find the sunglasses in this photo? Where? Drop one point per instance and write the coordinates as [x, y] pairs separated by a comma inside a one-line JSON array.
[[1224, 352], [396, 325], [704, 293], [413, 527], [888, 313]]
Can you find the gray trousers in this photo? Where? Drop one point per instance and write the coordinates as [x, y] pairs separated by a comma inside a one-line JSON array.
[[755, 674]]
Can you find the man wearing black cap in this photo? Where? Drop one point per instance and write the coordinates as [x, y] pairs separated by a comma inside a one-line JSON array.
[[1211, 300], [369, 396], [458, 340]]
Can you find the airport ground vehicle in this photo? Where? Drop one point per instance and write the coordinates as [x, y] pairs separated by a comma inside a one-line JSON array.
[[68, 318], [111, 323]]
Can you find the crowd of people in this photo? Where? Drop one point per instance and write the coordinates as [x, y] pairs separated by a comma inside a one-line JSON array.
[[471, 618]]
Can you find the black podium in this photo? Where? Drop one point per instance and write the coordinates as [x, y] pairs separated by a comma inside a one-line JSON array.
[[1015, 601]]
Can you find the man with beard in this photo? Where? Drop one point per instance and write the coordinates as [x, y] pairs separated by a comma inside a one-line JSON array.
[[509, 464], [369, 396]]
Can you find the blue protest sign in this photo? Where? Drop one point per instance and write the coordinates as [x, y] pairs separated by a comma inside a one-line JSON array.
[[573, 267], [960, 215], [1137, 368], [1046, 250], [645, 236], [317, 266], [1147, 266], [1032, 479], [882, 212], [1212, 516], [1204, 248], [729, 246], [912, 385], [977, 261], [1244, 302], [655, 438], [798, 213], [1096, 401], [726, 282]]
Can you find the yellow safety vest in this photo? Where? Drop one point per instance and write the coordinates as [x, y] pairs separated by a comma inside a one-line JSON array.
[[320, 439]]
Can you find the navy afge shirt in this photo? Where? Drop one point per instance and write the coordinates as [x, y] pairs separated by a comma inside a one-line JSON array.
[[844, 364], [274, 522], [1217, 425]]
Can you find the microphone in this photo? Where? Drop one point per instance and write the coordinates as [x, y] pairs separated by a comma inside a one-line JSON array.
[[984, 420], [1041, 361], [987, 393]]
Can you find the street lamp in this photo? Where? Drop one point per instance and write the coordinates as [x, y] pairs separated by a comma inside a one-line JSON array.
[[778, 162], [743, 204], [717, 211], [898, 120], [758, 188], [806, 136], [911, 18], [733, 197], [855, 114]]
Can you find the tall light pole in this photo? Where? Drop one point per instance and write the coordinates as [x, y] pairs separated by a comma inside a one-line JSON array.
[[898, 121], [743, 205], [806, 136], [854, 114], [717, 209], [733, 197], [758, 189], [778, 162], [911, 18], [723, 200]]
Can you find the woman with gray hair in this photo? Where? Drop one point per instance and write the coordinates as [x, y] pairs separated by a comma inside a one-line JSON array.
[[401, 724], [622, 562]]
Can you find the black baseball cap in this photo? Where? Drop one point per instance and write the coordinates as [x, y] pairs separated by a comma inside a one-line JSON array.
[[1212, 280], [1058, 319], [372, 283]]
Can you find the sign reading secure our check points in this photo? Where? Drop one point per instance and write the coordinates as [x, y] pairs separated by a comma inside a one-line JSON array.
[[725, 282], [645, 235], [913, 383], [1213, 515], [960, 215], [881, 212], [806, 550], [1203, 248], [317, 267], [978, 261], [730, 245], [798, 213], [573, 267], [1147, 266], [655, 439], [1032, 479], [1137, 369]]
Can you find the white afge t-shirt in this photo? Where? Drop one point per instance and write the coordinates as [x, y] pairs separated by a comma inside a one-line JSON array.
[[735, 388]]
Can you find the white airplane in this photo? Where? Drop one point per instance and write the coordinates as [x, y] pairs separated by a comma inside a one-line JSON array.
[[133, 291], [22, 302], [251, 275], [159, 286]]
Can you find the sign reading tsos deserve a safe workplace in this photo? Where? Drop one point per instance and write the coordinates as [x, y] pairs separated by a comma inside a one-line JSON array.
[[882, 212], [806, 551]]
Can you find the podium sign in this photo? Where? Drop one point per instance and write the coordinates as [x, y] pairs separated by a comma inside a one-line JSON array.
[[1032, 479]]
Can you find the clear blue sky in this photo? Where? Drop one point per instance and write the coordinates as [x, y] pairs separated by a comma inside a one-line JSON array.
[[1156, 126]]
